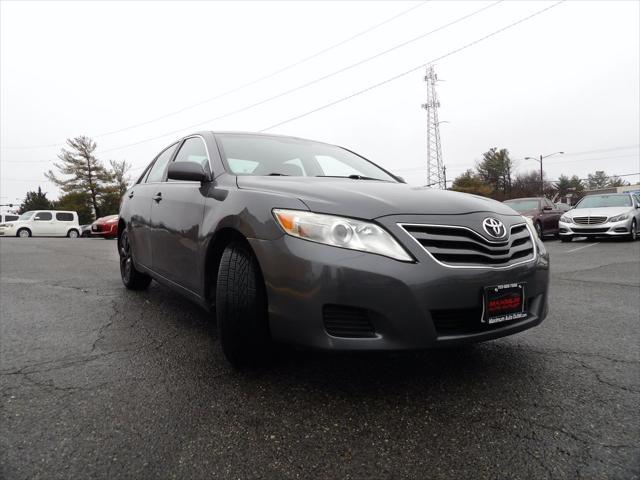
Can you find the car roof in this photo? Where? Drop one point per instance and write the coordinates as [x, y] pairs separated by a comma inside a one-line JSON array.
[[523, 198]]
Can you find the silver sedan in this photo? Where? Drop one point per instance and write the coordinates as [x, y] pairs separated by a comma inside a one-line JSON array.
[[613, 215]]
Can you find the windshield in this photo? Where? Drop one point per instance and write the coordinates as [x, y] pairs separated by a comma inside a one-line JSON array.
[[26, 215], [523, 205], [263, 155], [597, 201]]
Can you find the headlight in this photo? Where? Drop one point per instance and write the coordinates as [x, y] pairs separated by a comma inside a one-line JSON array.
[[619, 218], [565, 219], [340, 232]]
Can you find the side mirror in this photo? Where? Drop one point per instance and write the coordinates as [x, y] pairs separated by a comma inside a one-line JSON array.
[[547, 207], [188, 171]]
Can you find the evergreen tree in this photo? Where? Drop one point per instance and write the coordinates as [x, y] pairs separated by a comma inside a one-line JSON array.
[[87, 174], [36, 201]]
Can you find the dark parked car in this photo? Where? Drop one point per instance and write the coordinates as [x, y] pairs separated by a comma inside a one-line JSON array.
[[307, 243], [541, 211]]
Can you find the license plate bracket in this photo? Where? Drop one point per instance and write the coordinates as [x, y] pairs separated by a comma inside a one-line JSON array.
[[503, 303]]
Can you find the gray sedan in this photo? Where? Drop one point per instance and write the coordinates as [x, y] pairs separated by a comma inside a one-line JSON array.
[[613, 215], [301, 242]]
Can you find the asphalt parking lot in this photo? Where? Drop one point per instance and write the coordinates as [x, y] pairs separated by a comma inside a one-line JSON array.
[[101, 382]]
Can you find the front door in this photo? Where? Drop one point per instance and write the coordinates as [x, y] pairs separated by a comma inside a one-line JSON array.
[[177, 211], [43, 224]]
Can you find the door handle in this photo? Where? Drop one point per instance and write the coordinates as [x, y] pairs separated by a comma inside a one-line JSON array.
[[158, 197], [131, 195]]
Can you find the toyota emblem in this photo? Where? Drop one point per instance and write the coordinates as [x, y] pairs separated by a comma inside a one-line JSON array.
[[494, 227]]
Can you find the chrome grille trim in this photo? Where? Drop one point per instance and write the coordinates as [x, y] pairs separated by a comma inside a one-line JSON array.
[[497, 244], [590, 220]]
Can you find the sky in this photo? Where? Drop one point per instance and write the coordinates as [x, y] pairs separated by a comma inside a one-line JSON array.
[[128, 74]]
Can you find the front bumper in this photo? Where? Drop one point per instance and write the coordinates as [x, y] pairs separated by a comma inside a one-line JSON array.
[[407, 302], [612, 229]]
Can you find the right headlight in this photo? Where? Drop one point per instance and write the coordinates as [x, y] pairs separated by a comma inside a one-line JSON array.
[[565, 219], [340, 232]]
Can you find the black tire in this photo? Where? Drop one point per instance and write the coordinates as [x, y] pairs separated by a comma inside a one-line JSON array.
[[539, 230], [23, 233], [241, 308], [85, 234], [132, 278], [633, 232], [73, 233], [565, 238]]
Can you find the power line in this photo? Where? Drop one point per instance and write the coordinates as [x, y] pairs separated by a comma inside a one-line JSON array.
[[309, 83], [245, 85], [403, 74]]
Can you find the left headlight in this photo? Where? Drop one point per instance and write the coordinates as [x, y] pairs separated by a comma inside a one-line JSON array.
[[619, 218], [340, 232]]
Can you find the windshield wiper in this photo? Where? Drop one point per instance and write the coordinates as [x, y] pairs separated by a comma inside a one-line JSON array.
[[354, 177]]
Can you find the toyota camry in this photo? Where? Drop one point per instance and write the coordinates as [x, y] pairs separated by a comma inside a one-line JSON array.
[[294, 241]]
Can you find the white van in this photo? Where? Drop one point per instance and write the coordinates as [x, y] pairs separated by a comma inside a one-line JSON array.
[[8, 217], [43, 223]]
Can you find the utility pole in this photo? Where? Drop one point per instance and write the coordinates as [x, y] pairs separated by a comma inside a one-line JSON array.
[[435, 169], [540, 161]]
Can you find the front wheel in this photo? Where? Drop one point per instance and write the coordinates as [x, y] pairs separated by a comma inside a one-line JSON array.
[[241, 308], [132, 278], [24, 233], [539, 230], [633, 231]]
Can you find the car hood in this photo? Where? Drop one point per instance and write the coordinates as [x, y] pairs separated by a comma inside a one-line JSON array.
[[601, 211], [372, 199]]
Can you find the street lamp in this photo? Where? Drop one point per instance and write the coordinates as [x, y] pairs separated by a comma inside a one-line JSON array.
[[540, 161]]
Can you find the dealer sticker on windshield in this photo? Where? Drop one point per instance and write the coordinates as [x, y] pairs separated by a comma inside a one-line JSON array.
[[503, 303]]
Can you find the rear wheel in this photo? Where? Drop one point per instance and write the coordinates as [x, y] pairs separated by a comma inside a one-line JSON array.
[[241, 308], [132, 278], [73, 234], [24, 233]]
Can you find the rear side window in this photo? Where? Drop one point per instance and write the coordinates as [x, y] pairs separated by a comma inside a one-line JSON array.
[[64, 217], [194, 150], [9, 218], [43, 216], [157, 171]]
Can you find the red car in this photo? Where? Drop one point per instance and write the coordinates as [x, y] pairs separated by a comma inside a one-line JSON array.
[[105, 227]]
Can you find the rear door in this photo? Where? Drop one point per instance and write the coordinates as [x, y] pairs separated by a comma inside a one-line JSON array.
[[177, 212], [139, 199]]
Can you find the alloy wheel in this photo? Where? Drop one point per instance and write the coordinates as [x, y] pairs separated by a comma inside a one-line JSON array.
[[24, 233], [125, 257]]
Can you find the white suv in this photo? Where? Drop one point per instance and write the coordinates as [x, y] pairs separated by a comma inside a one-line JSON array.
[[43, 223]]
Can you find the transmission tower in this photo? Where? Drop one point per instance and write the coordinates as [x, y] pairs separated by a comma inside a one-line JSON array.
[[435, 168]]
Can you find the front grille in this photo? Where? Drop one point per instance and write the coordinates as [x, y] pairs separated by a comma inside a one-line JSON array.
[[347, 322], [464, 321], [590, 230], [596, 220], [461, 247]]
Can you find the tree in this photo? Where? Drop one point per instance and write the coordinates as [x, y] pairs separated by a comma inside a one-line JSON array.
[[36, 201], [495, 169], [597, 180], [563, 185], [88, 174], [528, 185], [470, 182], [576, 184], [615, 181], [79, 202], [110, 200]]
